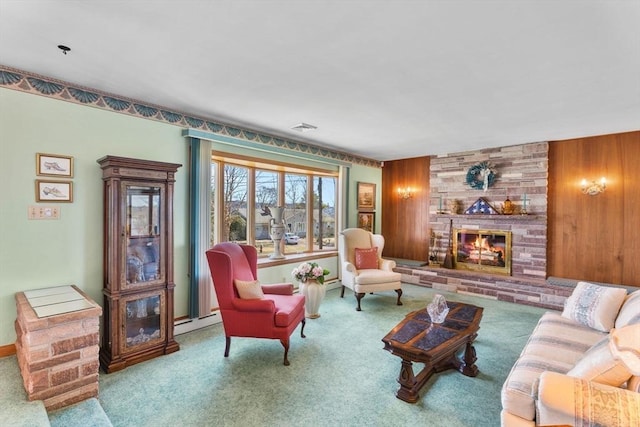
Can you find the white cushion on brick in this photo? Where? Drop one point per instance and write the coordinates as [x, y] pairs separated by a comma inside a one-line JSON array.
[[630, 311], [599, 365], [594, 306]]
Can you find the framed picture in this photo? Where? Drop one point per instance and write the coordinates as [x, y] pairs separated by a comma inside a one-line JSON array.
[[366, 196], [54, 165], [366, 220], [54, 191]]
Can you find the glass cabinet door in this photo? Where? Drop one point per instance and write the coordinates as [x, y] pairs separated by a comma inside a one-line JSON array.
[[143, 320], [143, 224]]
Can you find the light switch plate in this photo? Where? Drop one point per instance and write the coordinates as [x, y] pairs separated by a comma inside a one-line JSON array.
[[43, 212]]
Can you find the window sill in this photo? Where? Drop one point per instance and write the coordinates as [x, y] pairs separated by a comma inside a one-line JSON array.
[[295, 258]]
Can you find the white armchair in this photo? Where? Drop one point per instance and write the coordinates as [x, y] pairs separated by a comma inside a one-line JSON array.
[[362, 267]]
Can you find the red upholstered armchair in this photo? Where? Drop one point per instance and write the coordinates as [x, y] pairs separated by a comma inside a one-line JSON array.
[[275, 316]]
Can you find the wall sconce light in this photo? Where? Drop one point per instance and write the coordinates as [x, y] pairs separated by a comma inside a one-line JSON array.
[[405, 193], [593, 188]]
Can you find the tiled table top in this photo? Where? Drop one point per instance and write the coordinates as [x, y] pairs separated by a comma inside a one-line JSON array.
[[57, 300]]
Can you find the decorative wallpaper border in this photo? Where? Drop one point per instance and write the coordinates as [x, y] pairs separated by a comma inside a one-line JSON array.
[[51, 88]]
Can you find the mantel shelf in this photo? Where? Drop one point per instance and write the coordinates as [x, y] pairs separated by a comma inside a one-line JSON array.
[[496, 217]]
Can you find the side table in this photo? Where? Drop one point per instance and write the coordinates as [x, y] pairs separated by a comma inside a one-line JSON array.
[[58, 336]]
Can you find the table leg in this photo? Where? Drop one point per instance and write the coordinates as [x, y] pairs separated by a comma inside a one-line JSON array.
[[468, 367], [410, 384], [407, 380]]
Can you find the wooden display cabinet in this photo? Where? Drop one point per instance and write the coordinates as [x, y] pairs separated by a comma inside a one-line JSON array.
[[138, 261]]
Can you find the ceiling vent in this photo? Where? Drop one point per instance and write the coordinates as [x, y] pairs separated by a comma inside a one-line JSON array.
[[304, 127]]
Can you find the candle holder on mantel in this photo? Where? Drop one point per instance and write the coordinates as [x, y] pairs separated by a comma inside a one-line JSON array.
[[523, 211], [507, 207], [455, 206], [440, 207]]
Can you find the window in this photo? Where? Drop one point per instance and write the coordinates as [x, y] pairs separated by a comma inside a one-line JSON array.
[[234, 220], [324, 212], [247, 188], [266, 195], [295, 196]]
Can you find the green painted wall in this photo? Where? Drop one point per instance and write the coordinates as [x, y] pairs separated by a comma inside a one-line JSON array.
[[39, 254]]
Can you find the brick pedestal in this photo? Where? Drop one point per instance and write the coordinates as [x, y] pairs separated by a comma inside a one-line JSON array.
[[58, 354]]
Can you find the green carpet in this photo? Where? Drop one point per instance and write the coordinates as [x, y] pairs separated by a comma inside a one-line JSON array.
[[339, 374], [87, 413], [15, 409]]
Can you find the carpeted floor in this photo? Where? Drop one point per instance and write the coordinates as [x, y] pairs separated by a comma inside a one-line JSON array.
[[15, 409], [339, 374]]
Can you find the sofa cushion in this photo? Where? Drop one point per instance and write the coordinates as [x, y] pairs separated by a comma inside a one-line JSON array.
[[517, 391], [630, 311], [599, 365], [624, 344], [288, 308], [249, 289], [562, 339], [563, 400], [366, 258], [634, 384], [375, 277], [594, 306]]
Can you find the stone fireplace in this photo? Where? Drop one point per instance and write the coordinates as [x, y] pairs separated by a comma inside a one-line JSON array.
[[520, 177]]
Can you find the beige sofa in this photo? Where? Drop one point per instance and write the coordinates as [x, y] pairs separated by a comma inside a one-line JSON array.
[[573, 370]]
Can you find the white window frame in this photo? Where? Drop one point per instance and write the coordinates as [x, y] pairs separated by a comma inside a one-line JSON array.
[[253, 164]]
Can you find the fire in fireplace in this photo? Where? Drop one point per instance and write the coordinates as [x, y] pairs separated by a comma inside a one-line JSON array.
[[483, 250]]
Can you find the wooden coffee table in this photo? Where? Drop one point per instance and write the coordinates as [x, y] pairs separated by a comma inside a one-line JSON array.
[[416, 339]]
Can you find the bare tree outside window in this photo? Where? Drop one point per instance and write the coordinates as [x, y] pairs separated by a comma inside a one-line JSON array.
[[235, 203], [266, 197], [324, 203], [295, 196]]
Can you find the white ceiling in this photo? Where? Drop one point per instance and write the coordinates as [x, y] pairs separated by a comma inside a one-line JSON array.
[[380, 79]]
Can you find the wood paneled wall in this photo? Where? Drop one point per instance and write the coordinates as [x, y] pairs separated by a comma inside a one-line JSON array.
[[405, 222], [595, 238]]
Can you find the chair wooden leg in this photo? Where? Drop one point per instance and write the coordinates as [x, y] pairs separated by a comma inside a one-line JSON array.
[[227, 346], [342, 292], [359, 296], [399, 292], [304, 322], [285, 344]]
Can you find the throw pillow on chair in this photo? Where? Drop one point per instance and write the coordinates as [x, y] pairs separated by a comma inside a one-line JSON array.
[[249, 289], [366, 258]]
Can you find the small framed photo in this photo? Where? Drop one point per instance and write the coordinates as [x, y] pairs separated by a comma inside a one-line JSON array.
[[366, 196], [54, 165], [366, 220], [54, 191]]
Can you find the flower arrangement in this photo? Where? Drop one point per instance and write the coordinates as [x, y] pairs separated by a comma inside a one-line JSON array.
[[309, 270]]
